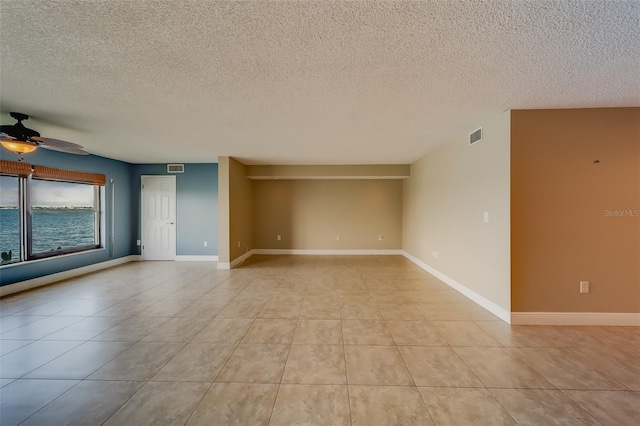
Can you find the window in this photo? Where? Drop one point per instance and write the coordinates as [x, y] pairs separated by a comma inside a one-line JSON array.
[[47, 212], [9, 219], [64, 217]]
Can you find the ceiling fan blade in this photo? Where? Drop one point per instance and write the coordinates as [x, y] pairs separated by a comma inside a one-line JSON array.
[[59, 145], [6, 137]]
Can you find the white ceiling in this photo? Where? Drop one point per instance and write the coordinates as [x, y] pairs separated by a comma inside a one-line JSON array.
[[304, 82]]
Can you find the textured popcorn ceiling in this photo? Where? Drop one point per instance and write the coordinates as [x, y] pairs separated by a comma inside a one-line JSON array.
[[304, 82]]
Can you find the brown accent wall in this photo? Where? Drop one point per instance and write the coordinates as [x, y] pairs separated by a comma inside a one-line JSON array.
[[241, 210], [309, 214], [573, 219]]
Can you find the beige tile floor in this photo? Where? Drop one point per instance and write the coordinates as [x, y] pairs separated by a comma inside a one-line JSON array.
[[288, 340]]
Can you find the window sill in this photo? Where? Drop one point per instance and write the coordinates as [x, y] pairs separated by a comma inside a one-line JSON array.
[[46, 259]]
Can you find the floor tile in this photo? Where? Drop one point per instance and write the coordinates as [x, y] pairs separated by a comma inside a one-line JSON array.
[[22, 398], [464, 333], [609, 407], [235, 404], [255, 363], [200, 309], [271, 331], [80, 361], [161, 403], [523, 336], [464, 406], [196, 362], [499, 368], [376, 365], [7, 346], [140, 362], [26, 359], [360, 311], [242, 309], [315, 364], [318, 332], [281, 310], [311, 405], [404, 311], [177, 330], [557, 366], [387, 405], [131, 330], [11, 322], [87, 308], [39, 329], [532, 407], [85, 329], [88, 403], [366, 332], [437, 366], [416, 333], [312, 310], [224, 331]]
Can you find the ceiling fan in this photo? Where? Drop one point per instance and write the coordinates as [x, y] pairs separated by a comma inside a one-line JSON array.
[[22, 140]]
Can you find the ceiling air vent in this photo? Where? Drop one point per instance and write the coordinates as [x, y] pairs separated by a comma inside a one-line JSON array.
[[475, 136], [175, 168]]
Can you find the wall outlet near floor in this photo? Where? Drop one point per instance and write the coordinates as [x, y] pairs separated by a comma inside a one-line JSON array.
[[138, 242], [278, 237], [337, 237], [584, 286], [486, 217], [206, 243], [434, 253], [238, 244], [380, 237]]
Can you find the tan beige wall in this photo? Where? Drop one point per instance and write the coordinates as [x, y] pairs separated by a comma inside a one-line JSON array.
[[561, 232], [223, 210], [443, 210], [241, 210], [371, 171], [309, 214]]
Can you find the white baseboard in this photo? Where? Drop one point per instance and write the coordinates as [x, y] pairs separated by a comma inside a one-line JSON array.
[[575, 318], [328, 252], [52, 278], [490, 306], [189, 258], [235, 262]]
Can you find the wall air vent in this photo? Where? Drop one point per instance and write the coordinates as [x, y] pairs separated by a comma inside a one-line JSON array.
[[475, 136], [175, 168]]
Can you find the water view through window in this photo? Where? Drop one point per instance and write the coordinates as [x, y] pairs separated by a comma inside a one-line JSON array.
[[63, 215]]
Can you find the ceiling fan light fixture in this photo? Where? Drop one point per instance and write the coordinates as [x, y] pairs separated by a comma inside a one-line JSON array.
[[19, 147]]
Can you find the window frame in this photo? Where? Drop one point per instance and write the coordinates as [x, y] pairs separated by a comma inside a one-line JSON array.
[[25, 213]]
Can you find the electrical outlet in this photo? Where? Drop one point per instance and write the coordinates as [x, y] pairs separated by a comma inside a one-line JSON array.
[[138, 242], [206, 243], [278, 237], [584, 286], [337, 237], [380, 237], [238, 244], [434, 253], [486, 217]]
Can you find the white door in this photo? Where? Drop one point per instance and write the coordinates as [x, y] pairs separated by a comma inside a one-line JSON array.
[[158, 217]]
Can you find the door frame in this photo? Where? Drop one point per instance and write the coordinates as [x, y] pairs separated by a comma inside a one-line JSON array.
[[142, 215]]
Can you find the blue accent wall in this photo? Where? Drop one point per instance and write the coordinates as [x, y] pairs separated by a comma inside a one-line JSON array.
[[197, 206], [120, 172]]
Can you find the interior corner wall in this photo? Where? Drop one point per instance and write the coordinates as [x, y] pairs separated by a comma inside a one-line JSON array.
[[223, 211], [309, 214], [444, 204], [196, 206], [576, 210], [240, 210]]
